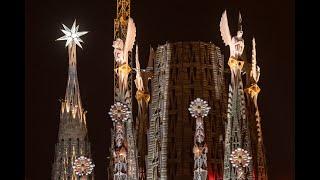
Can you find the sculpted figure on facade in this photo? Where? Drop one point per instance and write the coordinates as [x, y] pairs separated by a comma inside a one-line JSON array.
[[121, 55], [236, 43]]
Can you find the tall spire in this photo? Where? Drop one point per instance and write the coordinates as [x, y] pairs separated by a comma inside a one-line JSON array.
[[237, 136], [72, 97], [143, 97], [124, 39], [73, 147], [252, 94], [72, 101], [151, 59]]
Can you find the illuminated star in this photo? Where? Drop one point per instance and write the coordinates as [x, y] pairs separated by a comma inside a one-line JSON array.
[[72, 35]]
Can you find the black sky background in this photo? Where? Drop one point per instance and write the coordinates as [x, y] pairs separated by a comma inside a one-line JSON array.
[[271, 22]]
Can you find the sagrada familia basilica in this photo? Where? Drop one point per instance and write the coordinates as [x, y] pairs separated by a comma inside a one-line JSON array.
[[197, 116]]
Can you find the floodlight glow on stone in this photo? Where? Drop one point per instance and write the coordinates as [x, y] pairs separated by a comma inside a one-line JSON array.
[[83, 166], [72, 35], [240, 158], [199, 108], [119, 112]]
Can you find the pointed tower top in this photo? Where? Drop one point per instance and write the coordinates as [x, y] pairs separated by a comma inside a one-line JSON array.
[[240, 22], [137, 59], [72, 102], [151, 58]]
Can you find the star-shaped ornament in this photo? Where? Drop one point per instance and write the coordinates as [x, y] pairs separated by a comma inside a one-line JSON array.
[[72, 35]]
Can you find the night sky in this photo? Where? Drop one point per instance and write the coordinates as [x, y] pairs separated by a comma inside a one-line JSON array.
[[271, 22]]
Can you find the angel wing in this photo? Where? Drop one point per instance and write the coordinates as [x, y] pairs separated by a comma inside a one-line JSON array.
[[224, 29], [130, 38], [138, 81]]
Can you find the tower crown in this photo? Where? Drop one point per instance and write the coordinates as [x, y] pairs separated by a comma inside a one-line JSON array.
[[71, 107]]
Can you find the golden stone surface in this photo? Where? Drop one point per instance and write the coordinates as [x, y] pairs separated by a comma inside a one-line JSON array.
[[142, 95], [124, 69], [235, 64], [253, 90]]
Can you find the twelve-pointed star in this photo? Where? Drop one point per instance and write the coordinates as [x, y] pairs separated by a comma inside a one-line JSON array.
[[72, 35]]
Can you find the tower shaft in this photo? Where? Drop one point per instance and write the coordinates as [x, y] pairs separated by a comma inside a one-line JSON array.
[[237, 134], [120, 31], [143, 98], [252, 92]]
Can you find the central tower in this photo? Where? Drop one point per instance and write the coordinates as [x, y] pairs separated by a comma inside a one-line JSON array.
[[183, 71]]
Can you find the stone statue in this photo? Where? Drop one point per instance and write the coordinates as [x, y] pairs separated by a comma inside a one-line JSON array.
[[236, 43], [121, 54]]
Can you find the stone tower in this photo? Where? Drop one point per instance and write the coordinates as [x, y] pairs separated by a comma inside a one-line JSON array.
[[73, 139], [142, 96], [237, 132], [124, 38], [184, 71], [252, 91]]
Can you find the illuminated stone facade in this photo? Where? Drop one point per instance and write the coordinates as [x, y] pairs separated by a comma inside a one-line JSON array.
[[184, 71], [163, 141]]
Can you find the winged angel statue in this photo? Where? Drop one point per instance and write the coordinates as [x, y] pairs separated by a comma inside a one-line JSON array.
[[236, 43], [121, 54]]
